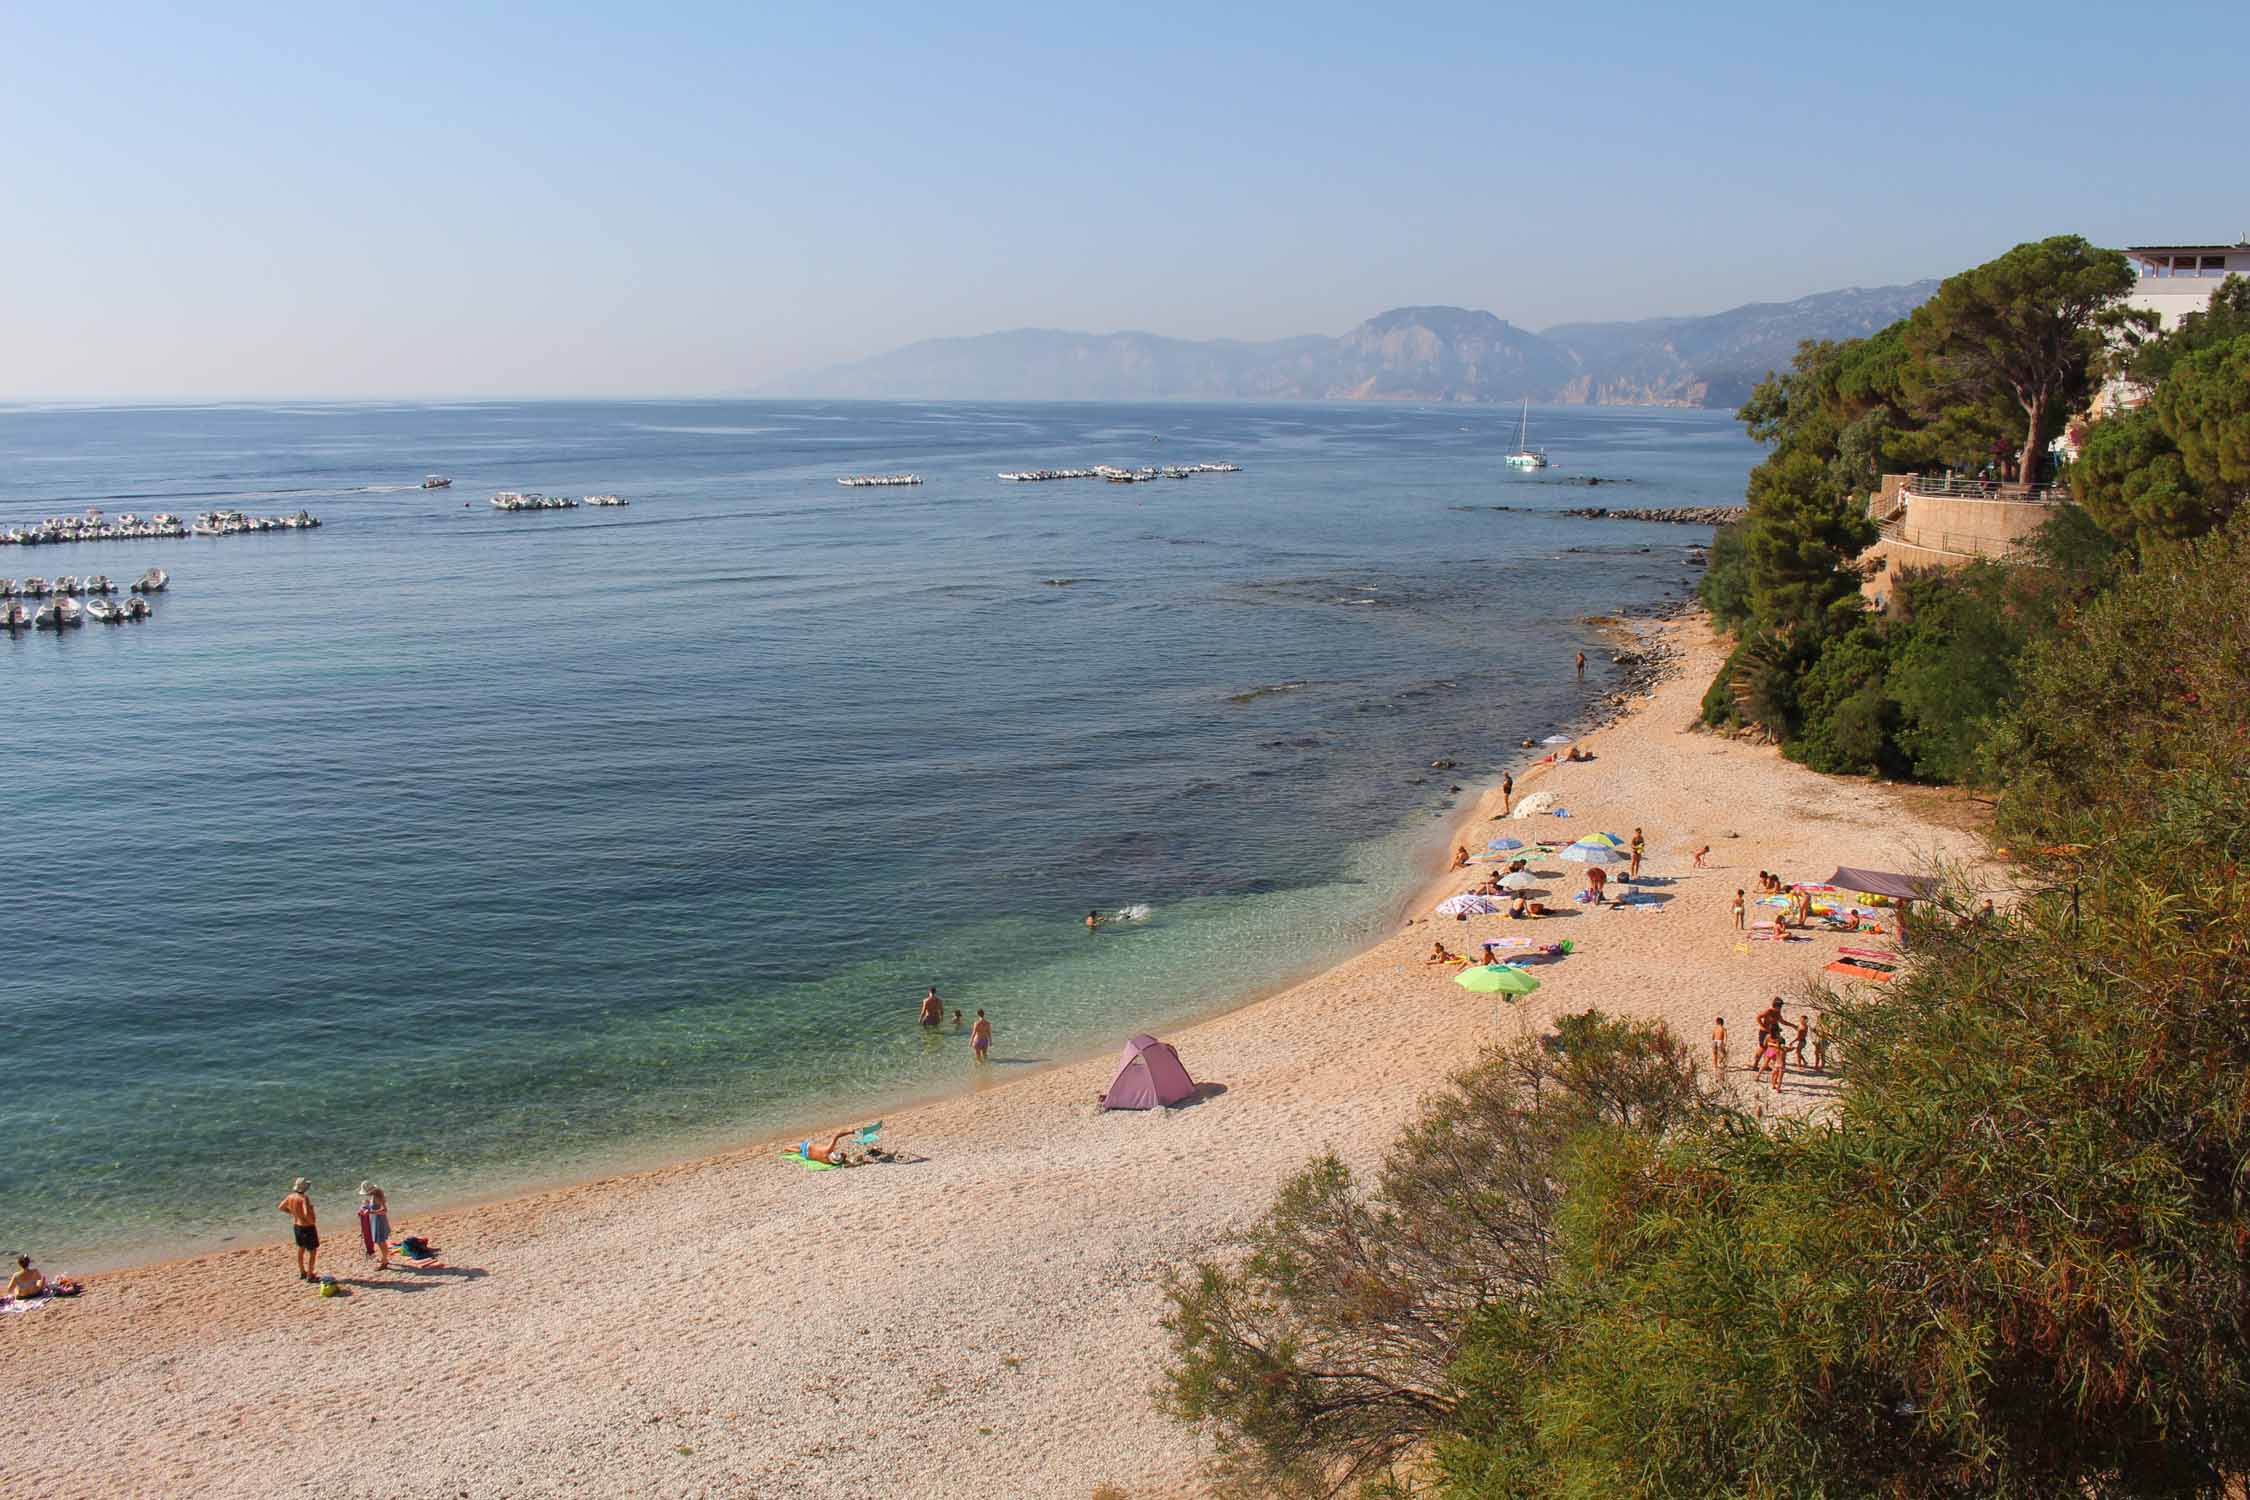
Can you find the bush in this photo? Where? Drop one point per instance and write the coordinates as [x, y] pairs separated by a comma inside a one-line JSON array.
[[1326, 1353]]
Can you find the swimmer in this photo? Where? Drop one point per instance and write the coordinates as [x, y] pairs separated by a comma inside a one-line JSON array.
[[1093, 920], [933, 1009]]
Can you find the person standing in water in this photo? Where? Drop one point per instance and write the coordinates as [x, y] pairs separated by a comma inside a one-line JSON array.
[[933, 1009], [1093, 920], [1581, 666], [980, 1038], [305, 1228]]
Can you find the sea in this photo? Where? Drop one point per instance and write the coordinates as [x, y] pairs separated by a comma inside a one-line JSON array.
[[469, 851]]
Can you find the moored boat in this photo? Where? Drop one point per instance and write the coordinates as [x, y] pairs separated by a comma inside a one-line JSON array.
[[36, 588], [102, 612], [100, 584], [151, 582], [59, 614], [15, 617]]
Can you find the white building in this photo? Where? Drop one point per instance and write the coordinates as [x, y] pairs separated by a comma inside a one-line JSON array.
[[2179, 279]]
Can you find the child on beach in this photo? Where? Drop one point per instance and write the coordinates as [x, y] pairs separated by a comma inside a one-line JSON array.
[[1718, 1044], [1439, 954], [980, 1038], [1819, 1046], [1774, 1058], [1460, 858], [1699, 854], [1738, 910], [1639, 843], [1797, 1046]]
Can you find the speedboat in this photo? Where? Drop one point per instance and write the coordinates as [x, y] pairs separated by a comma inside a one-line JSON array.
[[102, 612], [7, 588], [151, 582], [37, 588], [100, 584], [437, 482], [60, 615], [606, 500], [135, 609], [15, 617], [69, 584]]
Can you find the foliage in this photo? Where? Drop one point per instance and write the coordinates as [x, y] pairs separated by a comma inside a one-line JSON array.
[[2132, 481], [1326, 1353], [1844, 713], [2030, 326], [1953, 673], [2143, 684], [1725, 589], [2205, 409]]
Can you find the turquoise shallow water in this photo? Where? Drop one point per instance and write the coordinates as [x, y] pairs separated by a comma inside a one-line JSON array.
[[462, 849]]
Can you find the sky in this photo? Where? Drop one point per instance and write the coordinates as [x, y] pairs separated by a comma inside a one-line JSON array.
[[687, 199]]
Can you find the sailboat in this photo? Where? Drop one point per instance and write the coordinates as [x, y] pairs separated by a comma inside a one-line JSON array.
[[1525, 456]]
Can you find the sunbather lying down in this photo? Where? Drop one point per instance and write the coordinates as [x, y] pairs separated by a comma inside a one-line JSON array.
[[834, 1153]]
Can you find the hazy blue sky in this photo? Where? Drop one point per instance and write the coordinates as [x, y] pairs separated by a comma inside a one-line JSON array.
[[226, 199]]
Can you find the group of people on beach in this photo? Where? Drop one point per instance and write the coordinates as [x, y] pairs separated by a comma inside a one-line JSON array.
[[1778, 1041], [304, 1226]]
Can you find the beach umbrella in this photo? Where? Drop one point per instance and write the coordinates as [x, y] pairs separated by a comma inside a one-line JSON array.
[[1496, 979], [1505, 844], [1592, 854], [1610, 839], [1556, 739], [1521, 880], [1470, 905]]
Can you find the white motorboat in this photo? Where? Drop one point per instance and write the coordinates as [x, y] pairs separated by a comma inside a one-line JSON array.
[[102, 612], [1526, 456], [99, 584], [606, 500], [151, 582], [69, 584], [135, 609], [37, 588], [437, 482], [15, 617], [61, 614]]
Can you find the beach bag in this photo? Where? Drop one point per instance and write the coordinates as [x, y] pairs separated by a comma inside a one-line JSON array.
[[328, 1287]]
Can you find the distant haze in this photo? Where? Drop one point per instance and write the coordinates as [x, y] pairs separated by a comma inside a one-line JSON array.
[[233, 199], [1421, 354]]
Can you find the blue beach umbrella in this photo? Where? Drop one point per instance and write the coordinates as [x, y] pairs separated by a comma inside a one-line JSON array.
[[1592, 854], [1503, 845]]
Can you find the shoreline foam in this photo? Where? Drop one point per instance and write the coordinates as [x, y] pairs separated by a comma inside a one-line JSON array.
[[980, 1322]]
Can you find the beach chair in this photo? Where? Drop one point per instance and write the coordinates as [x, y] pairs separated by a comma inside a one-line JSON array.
[[868, 1137]]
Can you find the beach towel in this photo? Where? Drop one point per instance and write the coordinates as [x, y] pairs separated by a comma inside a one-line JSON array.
[[366, 1232], [21, 1304], [1857, 971], [807, 1162]]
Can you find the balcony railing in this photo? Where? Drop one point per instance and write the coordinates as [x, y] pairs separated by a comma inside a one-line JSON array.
[[1947, 487]]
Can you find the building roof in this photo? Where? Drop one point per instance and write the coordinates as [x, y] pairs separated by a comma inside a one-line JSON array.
[[2185, 249]]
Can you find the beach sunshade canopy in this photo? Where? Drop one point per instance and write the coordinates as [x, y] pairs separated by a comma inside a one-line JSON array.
[[1610, 839], [1505, 844], [1535, 805], [1149, 1074], [1518, 881], [1496, 979], [1884, 883], [1556, 739], [1592, 854], [1474, 906]]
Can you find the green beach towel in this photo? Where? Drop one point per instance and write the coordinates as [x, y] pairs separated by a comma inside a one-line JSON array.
[[808, 1163]]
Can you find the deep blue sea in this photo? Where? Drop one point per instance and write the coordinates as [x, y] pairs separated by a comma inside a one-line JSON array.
[[465, 850]]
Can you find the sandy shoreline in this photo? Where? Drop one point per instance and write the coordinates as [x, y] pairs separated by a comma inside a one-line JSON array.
[[980, 1322]]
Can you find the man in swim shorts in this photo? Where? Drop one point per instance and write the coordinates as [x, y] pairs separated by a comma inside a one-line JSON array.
[[304, 1227], [933, 1009]]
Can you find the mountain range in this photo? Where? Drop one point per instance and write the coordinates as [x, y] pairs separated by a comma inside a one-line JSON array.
[[1406, 354]]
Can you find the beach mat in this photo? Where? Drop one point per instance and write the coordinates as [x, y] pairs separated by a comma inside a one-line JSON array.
[[808, 1163], [1858, 971]]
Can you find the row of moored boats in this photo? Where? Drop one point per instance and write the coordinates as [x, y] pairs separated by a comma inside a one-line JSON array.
[[1123, 476], [94, 526], [533, 500], [63, 613], [237, 523], [151, 582], [876, 481]]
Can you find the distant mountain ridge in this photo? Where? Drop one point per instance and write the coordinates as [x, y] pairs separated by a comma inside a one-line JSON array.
[[1406, 354]]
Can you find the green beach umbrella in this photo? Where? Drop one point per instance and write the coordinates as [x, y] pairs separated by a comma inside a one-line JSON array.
[[1610, 839], [1496, 979]]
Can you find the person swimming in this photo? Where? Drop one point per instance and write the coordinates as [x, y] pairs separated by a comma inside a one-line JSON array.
[[1093, 920], [933, 1009]]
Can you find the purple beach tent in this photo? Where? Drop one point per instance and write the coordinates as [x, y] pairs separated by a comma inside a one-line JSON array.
[[1148, 1074]]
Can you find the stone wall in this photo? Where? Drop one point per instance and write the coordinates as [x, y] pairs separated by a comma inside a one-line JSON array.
[[1941, 531]]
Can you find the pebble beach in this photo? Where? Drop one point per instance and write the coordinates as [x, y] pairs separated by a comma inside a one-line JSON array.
[[980, 1319]]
